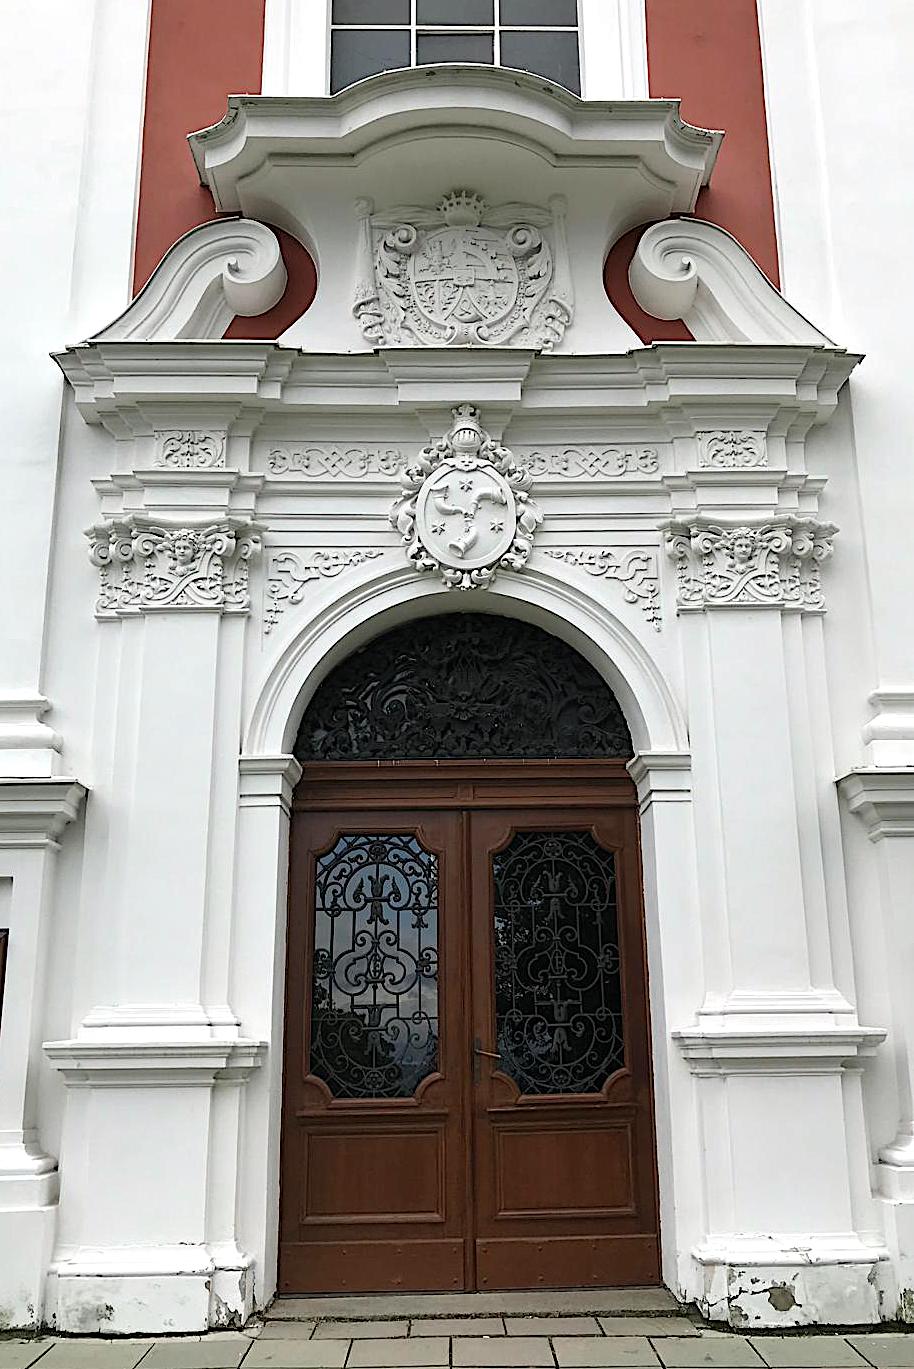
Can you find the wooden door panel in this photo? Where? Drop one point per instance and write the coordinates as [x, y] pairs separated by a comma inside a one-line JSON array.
[[564, 1171], [342, 1169], [373, 1190], [615, 1261], [579, 1169]]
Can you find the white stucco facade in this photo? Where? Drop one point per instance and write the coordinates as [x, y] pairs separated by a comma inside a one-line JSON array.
[[724, 537]]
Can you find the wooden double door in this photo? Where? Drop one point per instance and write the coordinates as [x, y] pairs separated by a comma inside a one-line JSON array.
[[467, 1095]]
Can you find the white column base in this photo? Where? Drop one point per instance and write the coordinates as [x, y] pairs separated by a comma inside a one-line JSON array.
[[26, 1241], [789, 1280], [142, 1291]]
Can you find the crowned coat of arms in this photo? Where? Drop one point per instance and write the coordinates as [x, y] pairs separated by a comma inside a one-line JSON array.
[[465, 508], [464, 274]]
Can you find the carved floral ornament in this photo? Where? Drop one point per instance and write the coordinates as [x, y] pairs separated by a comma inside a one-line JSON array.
[[190, 449], [146, 566], [465, 509], [773, 564], [464, 273]]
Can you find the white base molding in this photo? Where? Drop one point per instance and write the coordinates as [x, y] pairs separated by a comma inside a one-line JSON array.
[[789, 1280], [143, 1291]]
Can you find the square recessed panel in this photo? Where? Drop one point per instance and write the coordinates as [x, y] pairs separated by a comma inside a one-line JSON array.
[[357, 53], [455, 11], [371, 12], [546, 54], [454, 47], [563, 13]]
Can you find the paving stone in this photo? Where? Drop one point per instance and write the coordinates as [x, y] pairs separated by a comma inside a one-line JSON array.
[[457, 1326], [209, 1353], [481, 1352], [604, 1352], [360, 1330], [289, 1352], [807, 1352], [398, 1354], [886, 1351], [19, 1354], [95, 1354], [720, 1351], [287, 1330], [648, 1326], [552, 1326]]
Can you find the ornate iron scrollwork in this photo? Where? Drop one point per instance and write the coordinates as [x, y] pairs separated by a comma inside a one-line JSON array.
[[374, 1003], [463, 686], [558, 992]]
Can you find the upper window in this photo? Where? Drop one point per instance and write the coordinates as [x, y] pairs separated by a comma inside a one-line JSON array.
[[369, 36]]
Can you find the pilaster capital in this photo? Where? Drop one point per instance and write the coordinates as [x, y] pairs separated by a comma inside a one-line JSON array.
[[153, 1063], [760, 564], [148, 566], [267, 781], [882, 798], [661, 777], [34, 812]]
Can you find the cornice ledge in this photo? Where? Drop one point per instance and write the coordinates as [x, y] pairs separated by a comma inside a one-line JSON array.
[[794, 1050], [693, 270], [34, 812], [882, 798], [486, 101], [165, 1063], [212, 273]]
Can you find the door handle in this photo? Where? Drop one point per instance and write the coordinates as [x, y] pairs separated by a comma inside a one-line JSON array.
[[479, 1052]]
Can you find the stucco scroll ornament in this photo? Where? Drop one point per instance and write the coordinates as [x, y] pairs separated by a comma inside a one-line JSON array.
[[464, 273], [775, 564], [289, 574], [465, 509], [636, 572], [146, 566]]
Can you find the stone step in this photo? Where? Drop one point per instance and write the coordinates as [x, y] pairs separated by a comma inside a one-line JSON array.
[[537, 1302]]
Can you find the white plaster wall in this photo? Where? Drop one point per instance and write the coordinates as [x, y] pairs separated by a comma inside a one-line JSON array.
[[837, 80], [72, 78]]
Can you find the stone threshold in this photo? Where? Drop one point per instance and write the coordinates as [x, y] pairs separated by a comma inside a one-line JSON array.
[[535, 1302]]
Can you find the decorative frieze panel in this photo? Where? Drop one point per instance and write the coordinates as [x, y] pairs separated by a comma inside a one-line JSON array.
[[464, 273], [774, 564], [636, 572], [289, 573], [732, 449], [326, 462], [146, 566], [190, 449], [596, 463], [465, 510]]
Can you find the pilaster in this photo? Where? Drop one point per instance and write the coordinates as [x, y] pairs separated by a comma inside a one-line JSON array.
[[776, 1032], [883, 798], [33, 815]]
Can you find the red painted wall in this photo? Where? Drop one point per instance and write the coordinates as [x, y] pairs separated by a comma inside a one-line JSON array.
[[708, 54]]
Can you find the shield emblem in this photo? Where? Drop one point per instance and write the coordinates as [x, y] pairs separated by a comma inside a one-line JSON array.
[[465, 276]]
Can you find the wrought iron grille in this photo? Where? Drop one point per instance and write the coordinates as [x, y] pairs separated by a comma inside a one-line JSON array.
[[374, 1003], [463, 686], [558, 991]]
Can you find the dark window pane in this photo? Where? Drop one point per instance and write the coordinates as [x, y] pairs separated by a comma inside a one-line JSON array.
[[374, 990], [558, 984], [549, 12], [356, 53], [454, 47], [455, 11], [547, 54], [371, 11]]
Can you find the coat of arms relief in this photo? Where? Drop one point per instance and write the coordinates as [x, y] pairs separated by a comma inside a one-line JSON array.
[[465, 509], [464, 274]]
